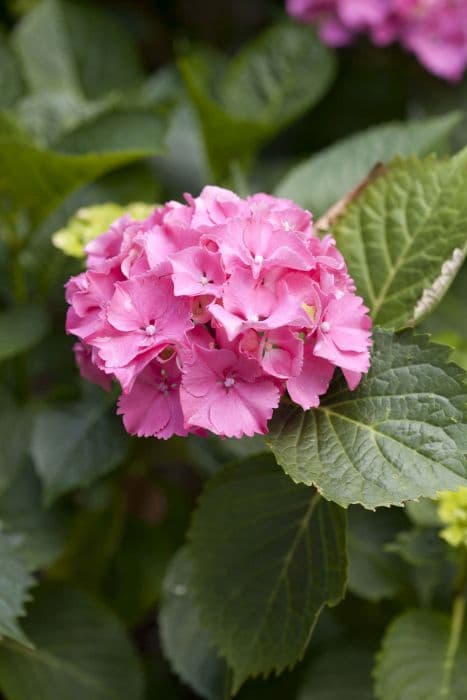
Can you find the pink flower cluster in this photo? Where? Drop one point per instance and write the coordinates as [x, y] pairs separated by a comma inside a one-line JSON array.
[[434, 30], [206, 313]]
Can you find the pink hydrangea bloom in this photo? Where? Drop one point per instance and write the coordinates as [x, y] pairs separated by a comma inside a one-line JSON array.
[[207, 312], [434, 30]]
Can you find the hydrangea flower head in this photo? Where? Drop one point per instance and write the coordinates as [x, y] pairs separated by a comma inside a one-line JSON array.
[[208, 312], [434, 30]]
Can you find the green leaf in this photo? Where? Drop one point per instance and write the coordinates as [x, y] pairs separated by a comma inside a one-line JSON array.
[[15, 582], [11, 84], [397, 437], [37, 180], [93, 539], [64, 46], [48, 115], [271, 82], [80, 652], [375, 573], [268, 555], [75, 444], [417, 661], [342, 673], [15, 424], [187, 646], [20, 328], [404, 237], [318, 182], [41, 533], [278, 76], [117, 130], [419, 547]]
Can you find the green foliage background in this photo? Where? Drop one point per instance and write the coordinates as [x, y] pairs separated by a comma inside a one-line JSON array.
[[118, 579]]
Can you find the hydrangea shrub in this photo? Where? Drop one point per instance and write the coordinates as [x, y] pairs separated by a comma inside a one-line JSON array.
[[254, 486]]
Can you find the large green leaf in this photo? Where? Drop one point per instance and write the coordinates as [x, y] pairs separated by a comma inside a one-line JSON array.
[[41, 532], [80, 652], [187, 646], [36, 180], [74, 444], [119, 129], [318, 182], [404, 237], [64, 46], [21, 327], [268, 555], [375, 573], [277, 76], [398, 436], [418, 662], [15, 424], [15, 582], [272, 81], [342, 673]]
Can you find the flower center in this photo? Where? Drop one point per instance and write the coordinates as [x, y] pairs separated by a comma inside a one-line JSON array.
[[204, 280], [150, 329], [325, 327], [229, 382], [259, 259]]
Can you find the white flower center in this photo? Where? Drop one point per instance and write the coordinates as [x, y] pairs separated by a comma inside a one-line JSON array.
[[150, 329], [204, 280], [230, 381], [259, 260], [325, 327]]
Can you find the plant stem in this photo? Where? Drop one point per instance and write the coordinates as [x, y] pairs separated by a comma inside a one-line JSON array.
[[457, 624]]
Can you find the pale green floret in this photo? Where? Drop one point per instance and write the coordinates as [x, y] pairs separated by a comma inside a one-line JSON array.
[[89, 222], [452, 510]]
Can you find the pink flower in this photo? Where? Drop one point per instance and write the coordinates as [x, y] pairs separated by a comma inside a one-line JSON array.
[[313, 380], [434, 30], [143, 319], [207, 312], [88, 369], [227, 394], [343, 336], [152, 407]]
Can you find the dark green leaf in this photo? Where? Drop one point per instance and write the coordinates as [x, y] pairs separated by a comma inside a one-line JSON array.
[[120, 129], [42, 532], [64, 46], [37, 180], [15, 424], [318, 182], [375, 573], [80, 652], [11, 84], [397, 437], [93, 539], [268, 555], [15, 582], [404, 237], [20, 328], [278, 76], [418, 662], [187, 646], [75, 444], [272, 81], [343, 673]]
